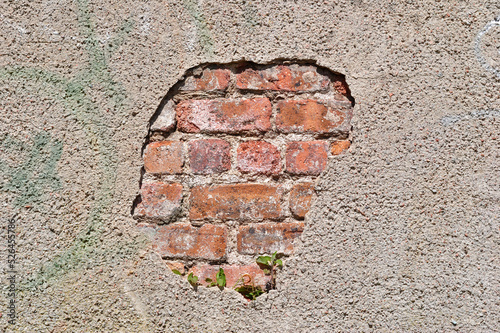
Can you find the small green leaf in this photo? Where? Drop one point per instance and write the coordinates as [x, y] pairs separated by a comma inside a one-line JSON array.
[[192, 279], [264, 260], [273, 257], [221, 278], [267, 271], [176, 272], [279, 263], [208, 280]]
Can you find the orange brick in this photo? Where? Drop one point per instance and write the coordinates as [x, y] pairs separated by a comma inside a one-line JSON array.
[[339, 146], [284, 78], [179, 266], [306, 158], [183, 241], [159, 201], [164, 157], [268, 238], [310, 116], [258, 157], [234, 273], [235, 202], [209, 156], [300, 199], [224, 116], [210, 79]]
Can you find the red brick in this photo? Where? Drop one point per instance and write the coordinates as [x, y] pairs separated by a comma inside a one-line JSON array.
[[284, 78], [164, 157], [251, 274], [210, 79], [183, 241], [306, 158], [259, 157], [268, 238], [159, 201], [235, 202], [310, 116], [339, 146], [224, 116], [300, 199], [209, 156]]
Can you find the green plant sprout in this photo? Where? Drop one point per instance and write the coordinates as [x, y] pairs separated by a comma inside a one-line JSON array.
[[270, 264], [248, 288], [220, 279], [193, 280]]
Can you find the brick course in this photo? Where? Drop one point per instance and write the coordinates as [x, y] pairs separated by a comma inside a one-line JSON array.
[[159, 201], [306, 158], [301, 199], [183, 241], [268, 237], [209, 156], [165, 157], [259, 157], [224, 116], [235, 202], [234, 274]]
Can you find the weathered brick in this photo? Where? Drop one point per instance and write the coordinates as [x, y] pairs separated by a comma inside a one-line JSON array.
[[166, 119], [339, 146], [210, 79], [268, 238], [258, 157], [209, 156], [224, 116], [165, 157], [284, 78], [235, 202], [311, 116], [234, 274], [306, 158], [300, 199], [160, 201], [183, 241]]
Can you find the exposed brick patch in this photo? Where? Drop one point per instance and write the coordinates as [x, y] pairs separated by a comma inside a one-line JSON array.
[[165, 157], [252, 202], [310, 116], [306, 158], [216, 79], [224, 116], [235, 150], [209, 156], [159, 201], [241, 274], [339, 146], [300, 199], [183, 241], [259, 157], [285, 78], [268, 237]]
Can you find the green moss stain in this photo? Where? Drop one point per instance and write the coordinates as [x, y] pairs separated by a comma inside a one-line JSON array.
[[30, 180], [87, 249], [204, 35]]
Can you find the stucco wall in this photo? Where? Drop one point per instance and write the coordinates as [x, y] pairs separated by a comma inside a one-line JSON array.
[[404, 233]]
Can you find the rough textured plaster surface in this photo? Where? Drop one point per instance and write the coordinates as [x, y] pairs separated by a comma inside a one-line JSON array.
[[404, 234]]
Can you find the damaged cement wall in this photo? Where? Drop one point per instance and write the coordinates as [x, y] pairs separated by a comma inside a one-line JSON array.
[[403, 234]]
